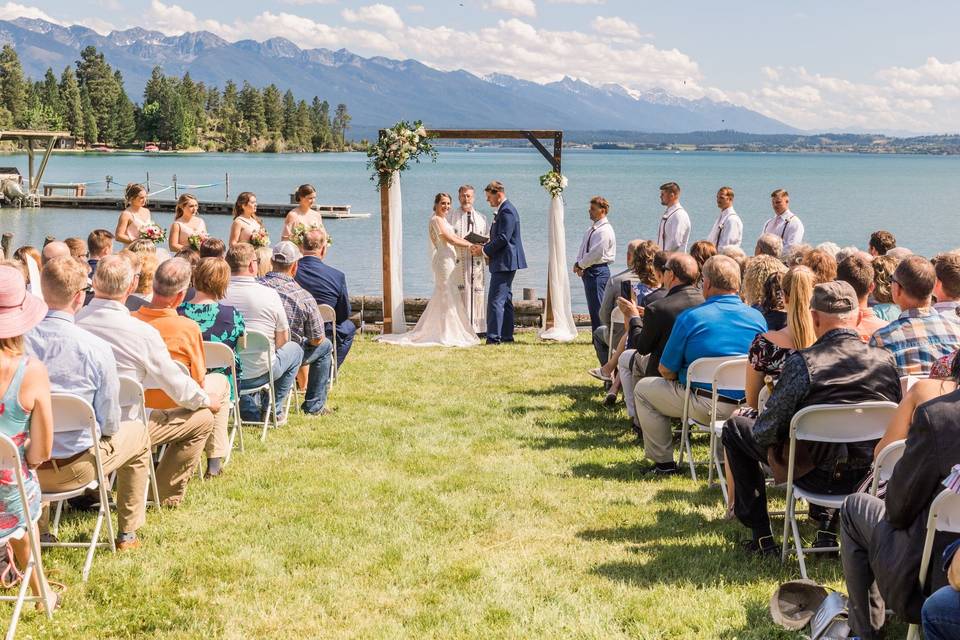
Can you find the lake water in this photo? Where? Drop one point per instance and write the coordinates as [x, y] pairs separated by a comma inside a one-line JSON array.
[[839, 197]]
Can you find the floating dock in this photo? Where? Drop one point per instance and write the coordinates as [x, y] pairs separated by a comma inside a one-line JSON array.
[[334, 211]]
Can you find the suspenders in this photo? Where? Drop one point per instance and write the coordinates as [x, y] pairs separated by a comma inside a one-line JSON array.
[[663, 228]]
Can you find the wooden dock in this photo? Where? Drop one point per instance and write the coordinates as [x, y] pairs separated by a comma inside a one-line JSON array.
[[334, 211]]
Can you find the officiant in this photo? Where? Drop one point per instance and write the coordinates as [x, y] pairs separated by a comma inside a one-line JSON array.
[[470, 269]]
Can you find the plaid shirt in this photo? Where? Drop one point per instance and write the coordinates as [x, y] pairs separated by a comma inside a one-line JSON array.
[[918, 338], [302, 313]]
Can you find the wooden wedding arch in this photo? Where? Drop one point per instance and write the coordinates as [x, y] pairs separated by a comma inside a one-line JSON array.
[[534, 136]]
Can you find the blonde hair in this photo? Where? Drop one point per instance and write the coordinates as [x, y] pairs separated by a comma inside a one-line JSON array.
[[182, 202], [798, 286], [758, 270], [265, 256], [148, 267], [61, 279]]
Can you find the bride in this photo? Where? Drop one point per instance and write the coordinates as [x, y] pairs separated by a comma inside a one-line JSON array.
[[444, 322]]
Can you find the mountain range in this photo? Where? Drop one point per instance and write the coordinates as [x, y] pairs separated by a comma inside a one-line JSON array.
[[379, 91]]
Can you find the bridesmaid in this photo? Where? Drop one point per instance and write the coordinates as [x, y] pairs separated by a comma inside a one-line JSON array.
[[304, 214], [245, 219], [135, 216], [186, 223]]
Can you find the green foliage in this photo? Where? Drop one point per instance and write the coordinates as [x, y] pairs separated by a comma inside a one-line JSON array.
[[90, 129], [72, 103], [100, 83], [14, 89]]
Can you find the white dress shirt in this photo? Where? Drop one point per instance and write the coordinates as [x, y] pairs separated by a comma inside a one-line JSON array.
[[262, 310], [674, 229], [727, 231], [787, 227], [140, 352], [599, 245]]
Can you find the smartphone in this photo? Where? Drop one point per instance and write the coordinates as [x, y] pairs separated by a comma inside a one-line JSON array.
[[627, 291]]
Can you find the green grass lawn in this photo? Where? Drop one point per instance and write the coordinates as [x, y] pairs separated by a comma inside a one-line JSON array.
[[481, 493]]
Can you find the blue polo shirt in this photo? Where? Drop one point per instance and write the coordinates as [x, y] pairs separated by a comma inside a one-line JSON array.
[[721, 326]]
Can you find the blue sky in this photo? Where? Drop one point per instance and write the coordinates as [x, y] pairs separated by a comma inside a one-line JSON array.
[[847, 64]]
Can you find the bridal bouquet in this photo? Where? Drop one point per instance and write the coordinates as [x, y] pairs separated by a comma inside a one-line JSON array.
[[398, 145], [260, 238], [196, 240], [153, 232], [553, 182], [299, 231]]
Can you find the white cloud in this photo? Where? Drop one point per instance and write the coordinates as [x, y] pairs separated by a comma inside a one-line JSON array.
[[173, 19], [576, 1], [303, 3], [12, 10], [416, 8], [377, 15], [97, 24], [526, 8], [616, 28]]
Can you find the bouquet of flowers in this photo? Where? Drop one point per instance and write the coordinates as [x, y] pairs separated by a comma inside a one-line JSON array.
[[553, 182], [196, 240], [260, 238], [300, 230], [153, 232], [394, 150]]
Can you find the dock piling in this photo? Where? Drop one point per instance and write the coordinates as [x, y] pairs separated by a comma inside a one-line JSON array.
[[226, 182], [175, 196]]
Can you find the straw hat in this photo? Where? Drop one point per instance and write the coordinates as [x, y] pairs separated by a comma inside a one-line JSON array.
[[19, 311]]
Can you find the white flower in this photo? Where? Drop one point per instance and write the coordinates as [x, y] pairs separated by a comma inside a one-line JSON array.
[[422, 132]]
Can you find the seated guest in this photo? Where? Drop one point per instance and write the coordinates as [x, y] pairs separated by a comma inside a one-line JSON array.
[[649, 332], [762, 294], [701, 251], [99, 244], [27, 418], [857, 271], [143, 286], [831, 248], [920, 335], [721, 326], [141, 353], [837, 368], [212, 248], [193, 257], [941, 610], [80, 363], [768, 245], [51, 250], [882, 297], [882, 539], [610, 294], [881, 242], [306, 325], [738, 255], [327, 286], [899, 253], [79, 252], [792, 256], [823, 265], [185, 344], [262, 310], [947, 289]]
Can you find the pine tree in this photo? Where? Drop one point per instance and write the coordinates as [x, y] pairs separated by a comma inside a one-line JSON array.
[[14, 89], [273, 109], [50, 93], [251, 108], [72, 103], [341, 120], [125, 123], [96, 76], [320, 115], [90, 132], [304, 127], [290, 119]]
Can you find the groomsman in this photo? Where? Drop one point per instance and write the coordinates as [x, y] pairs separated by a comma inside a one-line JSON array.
[[471, 268], [597, 250], [727, 231], [674, 230], [784, 224]]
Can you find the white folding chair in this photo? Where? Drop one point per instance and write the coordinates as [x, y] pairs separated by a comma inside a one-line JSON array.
[[886, 460], [835, 424], [10, 461], [730, 377], [221, 356], [944, 516], [329, 315], [257, 344], [132, 407], [908, 381], [73, 413]]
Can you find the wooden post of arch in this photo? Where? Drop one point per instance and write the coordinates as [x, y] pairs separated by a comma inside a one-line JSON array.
[[533, 136]]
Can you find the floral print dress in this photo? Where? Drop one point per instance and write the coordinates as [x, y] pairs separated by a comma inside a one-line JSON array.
[[15, 424], [218, 323]]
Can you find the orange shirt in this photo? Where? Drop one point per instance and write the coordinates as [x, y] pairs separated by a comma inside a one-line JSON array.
[[869, 324], [184, 342]]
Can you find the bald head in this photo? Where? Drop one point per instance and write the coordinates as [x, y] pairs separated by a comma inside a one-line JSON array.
[[172, 277], [684, 268], [55, 249]]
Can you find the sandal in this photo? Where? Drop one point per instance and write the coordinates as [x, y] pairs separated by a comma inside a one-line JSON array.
[[57, 589]]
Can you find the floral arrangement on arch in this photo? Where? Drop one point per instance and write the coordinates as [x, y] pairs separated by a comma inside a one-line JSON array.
[[153, 232], [196, 240], [394, 150], [554, 182]]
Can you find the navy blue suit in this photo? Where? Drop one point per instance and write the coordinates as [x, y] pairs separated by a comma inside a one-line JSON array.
[[505, 251], [329, 286]]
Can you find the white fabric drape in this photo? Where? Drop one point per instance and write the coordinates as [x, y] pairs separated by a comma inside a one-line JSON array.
[[33, 270], [558, 280], [396, 254]]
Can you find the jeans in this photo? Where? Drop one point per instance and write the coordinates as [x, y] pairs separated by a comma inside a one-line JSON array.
[[941, 615], [594, 282], [319, 359], [345, 334], [285, 364]]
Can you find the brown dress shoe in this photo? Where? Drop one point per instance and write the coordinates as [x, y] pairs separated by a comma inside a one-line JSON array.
[[128, 545]]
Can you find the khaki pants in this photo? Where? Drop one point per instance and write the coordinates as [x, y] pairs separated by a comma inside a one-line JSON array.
[[184, 432], [218, 444], [657, 401], [125, 452]]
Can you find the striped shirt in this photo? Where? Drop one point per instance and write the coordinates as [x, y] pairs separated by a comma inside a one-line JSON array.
[[918, 338]]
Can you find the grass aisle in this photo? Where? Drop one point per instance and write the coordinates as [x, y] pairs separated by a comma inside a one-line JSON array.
[[481, 493]]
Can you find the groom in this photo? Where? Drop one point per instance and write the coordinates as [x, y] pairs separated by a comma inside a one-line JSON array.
[[505, 253]]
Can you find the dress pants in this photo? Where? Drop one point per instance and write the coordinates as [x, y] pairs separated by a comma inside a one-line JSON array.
[[218, 444], [185, 433], [600, 345], [500, 307], [125, 452], [286, 362], [346, 331], [594, 282], [859, 516], [628, 379], [318, 358]]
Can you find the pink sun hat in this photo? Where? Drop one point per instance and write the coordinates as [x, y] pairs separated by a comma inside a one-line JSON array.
[[19, 311]]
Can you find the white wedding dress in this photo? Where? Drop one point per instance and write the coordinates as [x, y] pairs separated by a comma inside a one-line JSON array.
[[444, 322]]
